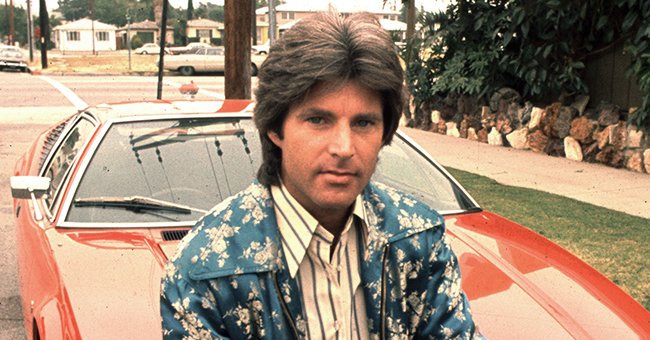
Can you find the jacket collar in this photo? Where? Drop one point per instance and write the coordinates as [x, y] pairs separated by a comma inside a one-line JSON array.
[[242, 236]]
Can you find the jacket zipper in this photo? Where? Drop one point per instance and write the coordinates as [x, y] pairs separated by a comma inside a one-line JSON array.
[[285, 308], [382, 316]]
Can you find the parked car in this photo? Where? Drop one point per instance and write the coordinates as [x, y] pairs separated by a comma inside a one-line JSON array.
[[189, 48], [150, 48], [261, 49], [102, 199], [211, 59], [12, 58]]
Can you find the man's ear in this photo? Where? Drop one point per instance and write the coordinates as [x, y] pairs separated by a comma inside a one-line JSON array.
[[275, 138]]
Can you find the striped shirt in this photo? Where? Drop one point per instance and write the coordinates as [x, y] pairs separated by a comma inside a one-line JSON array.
[[332, 296]]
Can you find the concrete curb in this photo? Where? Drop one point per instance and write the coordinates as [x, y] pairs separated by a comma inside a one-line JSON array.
[[617, 189]]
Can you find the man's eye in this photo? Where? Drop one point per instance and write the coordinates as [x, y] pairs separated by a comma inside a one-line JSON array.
[[315, 120], [365, 123]]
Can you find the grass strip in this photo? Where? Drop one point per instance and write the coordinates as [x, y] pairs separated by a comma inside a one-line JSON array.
[[614, 243]]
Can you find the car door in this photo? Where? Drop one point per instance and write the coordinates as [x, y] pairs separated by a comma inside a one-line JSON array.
[[214, 60]]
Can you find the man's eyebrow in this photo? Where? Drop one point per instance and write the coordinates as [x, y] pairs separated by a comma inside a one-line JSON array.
[[326, 113]]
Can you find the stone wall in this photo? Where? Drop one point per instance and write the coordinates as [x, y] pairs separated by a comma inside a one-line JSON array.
[[598, 135]]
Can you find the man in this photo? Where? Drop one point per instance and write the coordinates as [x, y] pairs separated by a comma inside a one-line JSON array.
[[313, 250]]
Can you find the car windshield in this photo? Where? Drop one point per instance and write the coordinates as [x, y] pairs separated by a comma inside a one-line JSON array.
[[175, 170]]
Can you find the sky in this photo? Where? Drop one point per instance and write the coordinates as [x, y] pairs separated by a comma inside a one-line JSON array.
[[429, 5]]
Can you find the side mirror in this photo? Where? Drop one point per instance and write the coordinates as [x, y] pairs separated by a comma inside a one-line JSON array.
[[33, 187], [29, 186]]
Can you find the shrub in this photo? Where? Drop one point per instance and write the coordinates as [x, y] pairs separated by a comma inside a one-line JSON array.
[[537, 47]]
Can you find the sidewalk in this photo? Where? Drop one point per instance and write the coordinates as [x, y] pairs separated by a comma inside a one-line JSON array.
[[616, 189]]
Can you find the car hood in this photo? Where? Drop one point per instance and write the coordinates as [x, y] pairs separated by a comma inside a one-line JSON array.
[[521, 285], [112, 281]]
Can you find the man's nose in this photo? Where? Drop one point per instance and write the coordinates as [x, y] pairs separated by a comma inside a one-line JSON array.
[[341, 143]]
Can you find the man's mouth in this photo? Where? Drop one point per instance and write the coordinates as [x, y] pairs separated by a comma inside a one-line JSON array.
[[338, 176]]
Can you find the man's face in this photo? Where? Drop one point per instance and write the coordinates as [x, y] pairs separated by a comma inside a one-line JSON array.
[[330, 145]]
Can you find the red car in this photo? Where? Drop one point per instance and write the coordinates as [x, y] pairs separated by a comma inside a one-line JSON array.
[[102, 199]]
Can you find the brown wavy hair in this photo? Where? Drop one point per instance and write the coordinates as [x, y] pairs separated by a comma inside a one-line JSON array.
[[325, 48]]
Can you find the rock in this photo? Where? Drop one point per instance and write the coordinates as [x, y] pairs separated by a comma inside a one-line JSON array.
[[483, 135], [501, 99], [435, 116], [562, 124], [602, 137], [525, 112], [485, 111], [464, 125], [495, 138], [452, 130], [572, 149], [504, 123], [434, 128], [555, 147], [518, 139], [442, 127], [589, 152], [634, 161], [537, 141], [634, 137], [548, 120], [582, 129], [610, 156], [646, 160], [580, 103], [472, 135], [618, 135], [514, 113], [609, 115], [536, 116]]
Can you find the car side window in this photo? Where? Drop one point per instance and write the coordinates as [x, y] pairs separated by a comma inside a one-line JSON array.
[[65, 155]]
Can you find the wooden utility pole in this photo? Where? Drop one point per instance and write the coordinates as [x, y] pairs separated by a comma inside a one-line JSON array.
[[44, 22], [238, 49]]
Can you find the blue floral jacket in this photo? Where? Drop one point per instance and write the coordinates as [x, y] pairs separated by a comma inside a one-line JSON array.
[[229, 278]]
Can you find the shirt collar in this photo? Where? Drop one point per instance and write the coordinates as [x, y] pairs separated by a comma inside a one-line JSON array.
[[297, 226]]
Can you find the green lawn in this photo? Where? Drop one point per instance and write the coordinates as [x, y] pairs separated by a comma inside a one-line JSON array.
[[614, 243]]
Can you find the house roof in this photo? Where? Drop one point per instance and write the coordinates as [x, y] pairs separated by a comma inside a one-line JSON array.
[[204, 23], [147, 24], [144, 26], [85, 24]]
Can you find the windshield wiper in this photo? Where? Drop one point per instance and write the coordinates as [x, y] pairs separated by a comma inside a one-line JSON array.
[[135, 203]]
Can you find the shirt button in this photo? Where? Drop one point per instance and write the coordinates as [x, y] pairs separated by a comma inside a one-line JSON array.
[[337, 325], [339, 267]]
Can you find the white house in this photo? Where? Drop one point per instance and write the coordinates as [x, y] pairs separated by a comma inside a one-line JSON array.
[[78, 36]]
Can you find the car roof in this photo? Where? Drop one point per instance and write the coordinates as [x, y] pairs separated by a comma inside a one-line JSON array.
[[148, 109]]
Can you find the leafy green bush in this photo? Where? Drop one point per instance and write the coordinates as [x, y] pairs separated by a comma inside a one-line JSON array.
[[136, 41], [537, 47]]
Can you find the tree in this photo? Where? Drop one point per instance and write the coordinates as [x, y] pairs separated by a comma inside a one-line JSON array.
[[20, 28], [74, 9], [538, 48]]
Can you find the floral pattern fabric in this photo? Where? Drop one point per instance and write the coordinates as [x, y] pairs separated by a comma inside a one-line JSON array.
[[229, 278]]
